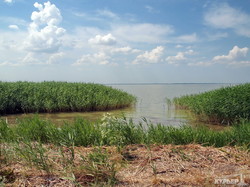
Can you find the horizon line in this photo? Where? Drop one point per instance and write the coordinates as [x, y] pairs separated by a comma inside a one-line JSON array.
[[168, 83]]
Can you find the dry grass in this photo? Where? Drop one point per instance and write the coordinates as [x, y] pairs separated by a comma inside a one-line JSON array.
[[138, 165]]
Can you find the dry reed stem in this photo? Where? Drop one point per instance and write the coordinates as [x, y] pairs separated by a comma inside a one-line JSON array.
[[159, 165]]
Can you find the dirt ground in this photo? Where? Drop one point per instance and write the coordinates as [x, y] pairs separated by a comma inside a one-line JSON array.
[[138, 165]]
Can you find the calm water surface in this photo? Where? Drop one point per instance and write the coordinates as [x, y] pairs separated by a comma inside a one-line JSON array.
[[151, 104]]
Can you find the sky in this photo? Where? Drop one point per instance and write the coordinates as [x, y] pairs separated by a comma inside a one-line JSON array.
[[132, 41]]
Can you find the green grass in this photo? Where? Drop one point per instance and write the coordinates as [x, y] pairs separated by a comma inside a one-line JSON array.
[[226, 105], [25, 97], [121, 132], [40, 144], [99, 167]]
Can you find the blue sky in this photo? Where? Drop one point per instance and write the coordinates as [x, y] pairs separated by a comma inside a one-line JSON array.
[[132, 41]]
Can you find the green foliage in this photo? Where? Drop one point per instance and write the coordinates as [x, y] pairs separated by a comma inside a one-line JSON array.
[[5, 132], [121, 132], [225, 105], [35, 129], [25, 97], [98, 166], [34, 154]]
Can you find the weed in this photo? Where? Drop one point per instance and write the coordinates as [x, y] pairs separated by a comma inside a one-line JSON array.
[[34, 154], [98, 167]]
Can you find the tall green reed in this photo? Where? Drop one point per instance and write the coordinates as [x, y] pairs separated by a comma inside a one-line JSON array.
[[225, 105], [121, 132], [25, 97]]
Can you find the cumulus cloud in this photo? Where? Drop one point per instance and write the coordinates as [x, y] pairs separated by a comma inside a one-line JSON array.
[[223, 16], [108, 39], [180, 56], [30, 58], [236, 57], [14, 27], [234, 54], [55, 58], [44, 32], [174, 59], [97, 58], [153, 56], [42, 58]]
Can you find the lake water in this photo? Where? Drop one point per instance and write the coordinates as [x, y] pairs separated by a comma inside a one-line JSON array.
[[151, 104]]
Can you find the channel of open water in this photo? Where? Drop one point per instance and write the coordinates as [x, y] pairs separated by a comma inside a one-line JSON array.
[[151, 104]]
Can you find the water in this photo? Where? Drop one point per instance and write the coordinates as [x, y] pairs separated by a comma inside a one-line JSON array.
[[151, 104], [152, 101]]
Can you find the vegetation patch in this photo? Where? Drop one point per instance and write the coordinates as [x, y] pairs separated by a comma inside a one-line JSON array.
[[226, 105], [112, 131], [118, 152], [25, 97]]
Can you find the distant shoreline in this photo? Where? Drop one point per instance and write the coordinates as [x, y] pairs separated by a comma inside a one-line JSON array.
[[164, 83]]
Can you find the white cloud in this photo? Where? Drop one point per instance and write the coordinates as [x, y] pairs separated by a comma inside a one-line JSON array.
[[150, 9], [6, 63], [200, 63], [107, 13], [13, 21], [223, 16], [55, 58], [241, 63], [30, 58], [189, 38], [153, 56], [236, 57], [11, 45], [189, 52], [175, 59], [45, 39], [143, 33], [125, 50], [216, 36], [98, 16], [97, 58], [234, 54], [42, 58], [108, 39], [8, 1], [180, 56], [179, 46], [14, 27]]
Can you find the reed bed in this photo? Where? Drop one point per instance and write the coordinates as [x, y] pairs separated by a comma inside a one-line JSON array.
[[112, 131], [26, 97], [225, 105]]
